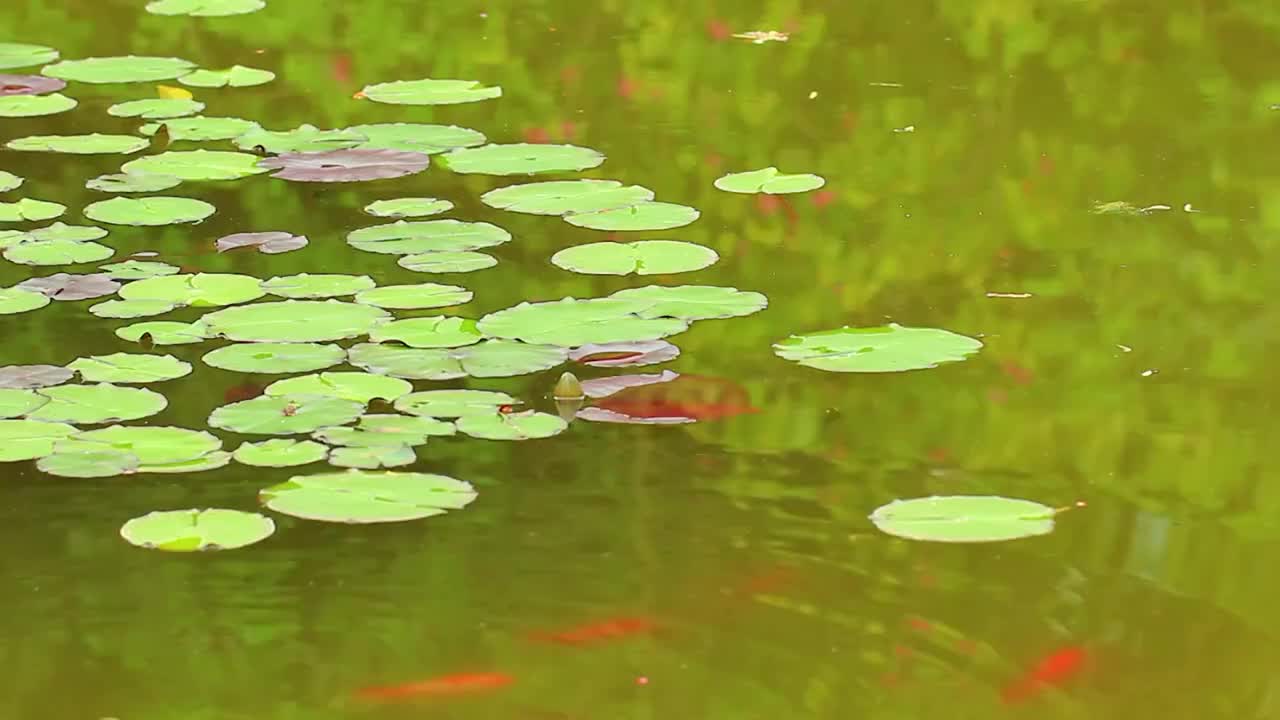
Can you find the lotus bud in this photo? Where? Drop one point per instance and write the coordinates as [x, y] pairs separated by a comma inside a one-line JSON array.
[[568, 388]]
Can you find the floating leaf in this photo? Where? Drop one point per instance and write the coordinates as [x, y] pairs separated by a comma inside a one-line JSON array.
[[62, 231], [102, 463], [571, 322], [428, 139], [453, 403], [646, 257], [163, 332], [33, 376], [9, 181], [94, 144], [204, 8], [169, 92], [625, 354], [29, 210], [285, 415], [414, 297], [560, 197], [212, 461], [429, 92], [386, 430], [613, 384], [15, 106], [149, 211], [528, 425], [138, 270], [358, 386], [197, 530], [408, 207], [14, 55], [94, 404], [643, 216], [201, 128], [269, 243], [68, 287], [302, 139], [372, 458], [57, 252], [521, 159], [447, 262], [121, 309], [199, 290], [693, 302], [197, 165], [30, 439], [234, 76], [119, 69], [275, 357], [317, 286], [151, 445], [130, 368], [294, 321], [345, 165], [429, 332], [132, 183], [29, 85], [492, 358], [280, 452], [768, 180], [357, 496], [156, 108], [599, 414], [891, 348], [964, 518], [15, 402], [403, 238], [18, 300]]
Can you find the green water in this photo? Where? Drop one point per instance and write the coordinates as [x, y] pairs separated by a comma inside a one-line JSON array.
[[1133, 378]]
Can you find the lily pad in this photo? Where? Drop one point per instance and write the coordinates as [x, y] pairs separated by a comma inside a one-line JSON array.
[[199, 290], [32, 376], [30, 439], [95, 404], [560, 197], [149, 211], [408, 207], [131, 182], [57, 252], [202, 129], [138, 270], [891, 348], [102, 463], [29, 210], [234, 76], [62, 231], [123, 309], [429, 332], [204, 8], [150, 444], [275, 357], [14, 55], [68, 287], [119, 69], [357, 496], [317, 286], [280, 452], [430, 92], [611, 385], [492, 358], [18, 300], [345, 165], [163, 332], [285, 415], [372, 458], [414, 297], [453, 403], [16, 403], [29, 85], [693, 302], [770, 181], [94, 144], [130, 368], [156, 108], [9, 181], [358, 386], [646, 257], [212, 461], [964, 519], [643, 216], [521, 159], [413, 137], [16, 106], [386, 430], [404, 238], [294, 321], [268, 243], [625, 354], [570, 322], [528, 425], [447, 262], [197, 165], [197, 530], [302, 139]]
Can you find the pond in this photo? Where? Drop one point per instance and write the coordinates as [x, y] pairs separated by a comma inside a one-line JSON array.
[[552, 360]]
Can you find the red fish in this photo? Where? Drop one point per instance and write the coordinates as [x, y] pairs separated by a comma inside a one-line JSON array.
[[689, 397], [1054, 670], [456, 684], [592, 633]]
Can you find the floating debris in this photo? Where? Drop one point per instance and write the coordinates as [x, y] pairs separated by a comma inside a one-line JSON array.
[[1120, 207], [886, 84], [1125, 348], [1149, 373], [907, 129], [760, 37], [1011, 295]]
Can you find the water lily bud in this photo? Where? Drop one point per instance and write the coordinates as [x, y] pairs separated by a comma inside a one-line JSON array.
[[568, 387]]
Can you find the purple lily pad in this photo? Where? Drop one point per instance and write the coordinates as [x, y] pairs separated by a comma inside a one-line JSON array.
[[625, 354], [346, 165], [29, 85], [599, 414], [606, 386], [271, 243], [65, 286], [26, 377]]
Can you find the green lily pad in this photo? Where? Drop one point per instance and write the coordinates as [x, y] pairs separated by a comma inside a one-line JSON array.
[[386, 430], [119, 69], [570, 322], [429, 332], [57, 252], [280, 452], [96, 404], [62, 231], [197, 530], [212, 461], [413, 137], [149, 211], [357, 496], [646, 257], [204, 8], [15, 55], [199, 290], [14, 106], [163, 332], [317, 286], [130, 368], [17, 300], [203, 129], [453, 403], [528, 425], [405, 238], [30, 439], [132, 183], [156, 108], [430, 92], [94, 144], [16, 403], [491, 358], [408, 207], [102, 463], [644, 216], [305, 138], [125, 309], [770, 181], [9, 181], [234, 76], [270, 358], [372, 458], [150, 444], [447, 262], [964, 519], [138, 270], [30, 210], [521, 159], [295, 321], [197, 165], [693, 302], [891, 348], [285, 414], [561, 197], [358, 386], [414, 297]]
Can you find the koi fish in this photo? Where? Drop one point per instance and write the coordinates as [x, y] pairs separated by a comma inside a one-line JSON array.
[[687, 398], [445, 685], [243, 391], [593, 633], [1054, 670]]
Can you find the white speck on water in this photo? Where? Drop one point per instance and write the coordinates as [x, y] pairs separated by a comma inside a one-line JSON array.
[[1012, 295], [907, 129], [813, 94], [1188, 208], [885, 84], [1125, 348], [1149, 373]]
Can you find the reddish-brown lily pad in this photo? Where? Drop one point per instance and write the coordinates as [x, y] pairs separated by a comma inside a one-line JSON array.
[[27, 377], [346, 165], [29, 85], [625, 354], [65, 286], [270, 243]]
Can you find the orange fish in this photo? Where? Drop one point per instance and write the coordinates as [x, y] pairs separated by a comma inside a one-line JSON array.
[[592, 633], [688, 398], [456, 684], [1054, 670]]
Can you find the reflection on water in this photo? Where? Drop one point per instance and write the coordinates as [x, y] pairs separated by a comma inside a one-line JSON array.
[[1124, 365]]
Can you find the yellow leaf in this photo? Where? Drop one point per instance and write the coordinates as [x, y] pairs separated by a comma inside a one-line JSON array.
[[169, 92]]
